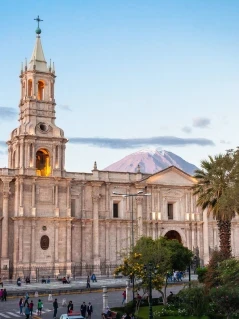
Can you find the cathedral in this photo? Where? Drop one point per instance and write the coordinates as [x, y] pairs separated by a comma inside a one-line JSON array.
[[60, 222]]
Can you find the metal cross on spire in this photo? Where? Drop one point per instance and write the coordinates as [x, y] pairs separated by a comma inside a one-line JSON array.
[[38, 30], [38, 21]]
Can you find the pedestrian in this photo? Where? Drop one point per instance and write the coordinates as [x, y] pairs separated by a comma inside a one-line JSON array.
[[31, 305], [21, 306], [55, 307], [70, 307], [89, 310], [1, 294], [26, 299], [93, 278], [83, 309], [88, 282], [19, 282], [27, 311], [39, 307], [124, 297], [4, 297]]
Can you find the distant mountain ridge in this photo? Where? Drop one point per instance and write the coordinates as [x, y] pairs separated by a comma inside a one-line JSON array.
[[151, 161]]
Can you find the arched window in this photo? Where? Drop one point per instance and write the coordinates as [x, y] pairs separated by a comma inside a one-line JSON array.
[[40, 94], [29, 92], [43, 167]]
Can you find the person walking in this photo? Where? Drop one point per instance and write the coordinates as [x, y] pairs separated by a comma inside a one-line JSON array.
[[20, 306], [70, 307], [27, 311], [31, 305], [39, 307], [1, 294], [88, 282], [4, 296], [55, 307], [89, 310], [83, 309], [124, 297]]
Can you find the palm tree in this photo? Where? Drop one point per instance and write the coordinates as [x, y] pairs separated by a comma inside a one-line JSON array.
[[215, 192]]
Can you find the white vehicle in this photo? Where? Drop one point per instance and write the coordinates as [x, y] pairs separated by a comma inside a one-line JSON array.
[[73, 315]]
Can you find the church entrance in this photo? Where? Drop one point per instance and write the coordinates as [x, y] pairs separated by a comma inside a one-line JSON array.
[[43, 167], [173, 234]]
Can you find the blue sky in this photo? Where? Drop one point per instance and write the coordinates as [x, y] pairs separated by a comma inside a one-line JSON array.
[[156, 73]]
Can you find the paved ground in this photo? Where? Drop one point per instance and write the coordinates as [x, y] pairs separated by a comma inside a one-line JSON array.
[[76, 286], [10, 310]]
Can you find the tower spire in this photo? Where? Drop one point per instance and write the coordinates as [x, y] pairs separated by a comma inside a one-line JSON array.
[[37, 61]]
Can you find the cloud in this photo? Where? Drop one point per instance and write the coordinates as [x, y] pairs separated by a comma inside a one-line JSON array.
[[201, 122], [187, 129], [224, 142], [64, 107], [7, 113], [119, 143]]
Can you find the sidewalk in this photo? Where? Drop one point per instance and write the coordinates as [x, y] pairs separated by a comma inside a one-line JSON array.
[[78, 285]]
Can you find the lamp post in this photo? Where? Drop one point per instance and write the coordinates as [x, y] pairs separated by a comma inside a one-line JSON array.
[[150, 270], [139, 193]]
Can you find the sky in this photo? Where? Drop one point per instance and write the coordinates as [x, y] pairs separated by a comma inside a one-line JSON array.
[[130, 75]]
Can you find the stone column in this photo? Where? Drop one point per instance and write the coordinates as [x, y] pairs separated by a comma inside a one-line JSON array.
[[95, 229], [56, 240], [33, 240], [15, 245], [105, 297], [118, 241], [4, 250], [68, 241], [57, 211], [20, 241], [107, 245], [68, 200], [139, 201], [33, 198], [21, 198]]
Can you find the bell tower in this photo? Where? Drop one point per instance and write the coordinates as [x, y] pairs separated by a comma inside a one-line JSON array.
[[37, 146]]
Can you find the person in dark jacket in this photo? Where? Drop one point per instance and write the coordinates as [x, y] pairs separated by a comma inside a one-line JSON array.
[[70, 307], [4, 296], [83, 309], [89, 310], [55, 307]]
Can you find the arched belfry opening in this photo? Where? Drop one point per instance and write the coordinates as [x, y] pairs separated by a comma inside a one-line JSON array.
[[40, 90], [173, 234], [29, 87], [43, 167]]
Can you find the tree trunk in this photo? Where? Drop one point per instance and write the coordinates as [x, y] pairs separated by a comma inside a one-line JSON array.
[[224, 229]]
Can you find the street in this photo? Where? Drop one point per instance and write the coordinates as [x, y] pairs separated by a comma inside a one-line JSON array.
[[10, 309]]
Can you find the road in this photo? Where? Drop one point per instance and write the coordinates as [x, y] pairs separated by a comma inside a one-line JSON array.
[[9, 309]]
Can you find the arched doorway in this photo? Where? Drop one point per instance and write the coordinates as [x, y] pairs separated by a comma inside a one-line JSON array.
[[43, 167], [173, 234]]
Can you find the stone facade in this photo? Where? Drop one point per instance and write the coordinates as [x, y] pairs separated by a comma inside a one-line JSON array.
[[55, 219]]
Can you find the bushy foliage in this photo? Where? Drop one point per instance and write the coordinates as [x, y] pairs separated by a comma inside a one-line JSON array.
[[201, 272], [228, 272], [194, 300], [226, 300]]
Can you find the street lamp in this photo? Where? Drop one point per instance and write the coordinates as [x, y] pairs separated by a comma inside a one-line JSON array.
[[150, 269], [139, 193]]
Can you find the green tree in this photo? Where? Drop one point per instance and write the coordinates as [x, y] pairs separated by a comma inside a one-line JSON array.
[[164, 254], [216, 180]]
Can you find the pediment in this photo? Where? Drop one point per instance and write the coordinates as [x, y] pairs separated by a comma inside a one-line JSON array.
[[171, 176]]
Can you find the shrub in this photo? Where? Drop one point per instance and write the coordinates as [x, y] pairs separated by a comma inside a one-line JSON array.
[[201, 272]]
